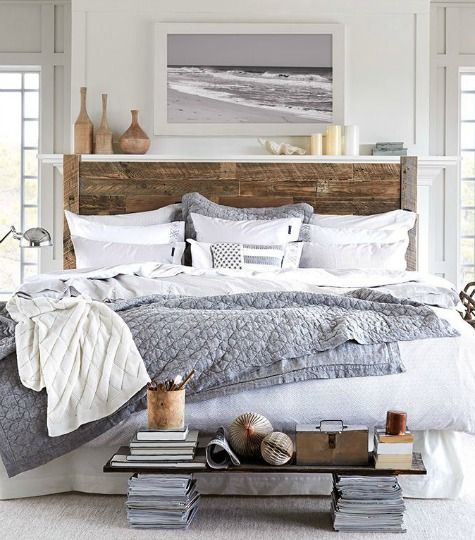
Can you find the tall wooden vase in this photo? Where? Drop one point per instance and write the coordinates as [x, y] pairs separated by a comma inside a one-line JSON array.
[[104, 133], [83, 128], [134, 140]]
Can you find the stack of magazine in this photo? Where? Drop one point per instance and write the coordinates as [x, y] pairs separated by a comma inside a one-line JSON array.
[[367, 504], [159, 501]]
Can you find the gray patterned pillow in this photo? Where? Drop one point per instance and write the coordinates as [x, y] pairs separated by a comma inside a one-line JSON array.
[[195, 202]]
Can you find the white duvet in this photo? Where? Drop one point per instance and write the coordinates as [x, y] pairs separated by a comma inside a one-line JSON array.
[[437, 389]]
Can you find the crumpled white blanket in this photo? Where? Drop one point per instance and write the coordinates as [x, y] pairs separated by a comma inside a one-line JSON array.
[[81, 352]]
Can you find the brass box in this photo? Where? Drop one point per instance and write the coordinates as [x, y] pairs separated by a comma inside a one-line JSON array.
[[331, 443]]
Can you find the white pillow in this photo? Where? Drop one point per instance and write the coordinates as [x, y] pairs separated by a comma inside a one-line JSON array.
[[254, 231], [358, 256], [331, 235], [164, 233], [393, 219], [93, 253], [286, 256], [167, 214]]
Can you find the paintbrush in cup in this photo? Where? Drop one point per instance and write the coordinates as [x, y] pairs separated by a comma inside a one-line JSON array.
[[187, 379]]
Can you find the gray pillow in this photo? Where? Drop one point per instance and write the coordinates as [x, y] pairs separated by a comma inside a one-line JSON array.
[[194, 202]]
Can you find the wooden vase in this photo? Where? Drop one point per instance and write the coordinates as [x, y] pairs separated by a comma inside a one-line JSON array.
[[104, 133], [134, 140], [83, 128], [166, 410]]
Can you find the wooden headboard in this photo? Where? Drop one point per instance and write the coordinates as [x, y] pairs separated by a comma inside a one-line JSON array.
[[97, 187]]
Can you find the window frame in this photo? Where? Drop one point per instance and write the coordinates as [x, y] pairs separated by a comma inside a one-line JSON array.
[[24, 206]]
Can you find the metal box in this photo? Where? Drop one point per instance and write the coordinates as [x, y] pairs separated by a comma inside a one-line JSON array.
[[331, 443]]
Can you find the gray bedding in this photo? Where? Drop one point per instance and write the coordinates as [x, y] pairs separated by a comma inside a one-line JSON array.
[[233, 342]]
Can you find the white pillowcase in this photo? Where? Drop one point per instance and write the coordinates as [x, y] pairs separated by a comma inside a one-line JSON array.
[[202, 256], [167, 214], [258, 231], [394, 219], [329, 236], [93, 253], [165, 233], [388, 256]]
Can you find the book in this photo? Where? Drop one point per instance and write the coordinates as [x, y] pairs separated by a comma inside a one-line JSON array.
[[389, 145], [381, 448], [400, 152], [381, 436], [189, 442], [395, 461], [162, 434], [175, 451], [120, 461], [159, 459]]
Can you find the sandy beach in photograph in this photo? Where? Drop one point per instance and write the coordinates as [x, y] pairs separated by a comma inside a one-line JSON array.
[[185, 108]]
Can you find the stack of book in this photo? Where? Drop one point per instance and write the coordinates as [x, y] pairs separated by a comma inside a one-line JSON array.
[[393, 451], [367, 504], [161, 501], [161, 449], [389, 149]]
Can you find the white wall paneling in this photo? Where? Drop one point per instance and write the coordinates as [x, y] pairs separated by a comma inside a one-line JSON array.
[[38, 34], [452, 50], [437, 205], [387, 59]]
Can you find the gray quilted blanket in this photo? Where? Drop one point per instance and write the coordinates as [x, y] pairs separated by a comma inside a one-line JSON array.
[[233, 342]]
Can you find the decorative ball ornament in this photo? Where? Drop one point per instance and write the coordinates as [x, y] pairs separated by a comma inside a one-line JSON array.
[[247, 432], [277, 448]]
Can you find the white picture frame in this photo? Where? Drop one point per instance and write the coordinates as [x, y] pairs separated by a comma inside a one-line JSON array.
[[162, 125]]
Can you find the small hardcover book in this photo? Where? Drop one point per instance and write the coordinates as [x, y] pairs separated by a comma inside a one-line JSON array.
[[159, 459], [392, 448], [381, 436], [395, 461], [120, 460], [162, 434], [139, 451], [189, 442], [389, 145]]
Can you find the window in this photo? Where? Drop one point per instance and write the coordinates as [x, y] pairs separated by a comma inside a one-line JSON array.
[[19, 142], [467, 150]]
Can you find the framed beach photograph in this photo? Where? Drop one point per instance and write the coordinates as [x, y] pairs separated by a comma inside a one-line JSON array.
[[248, 79]]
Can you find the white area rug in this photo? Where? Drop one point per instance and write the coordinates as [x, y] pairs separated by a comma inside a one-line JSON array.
[[76, 516]]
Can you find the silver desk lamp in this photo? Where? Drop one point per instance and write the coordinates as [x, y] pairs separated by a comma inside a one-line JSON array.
[[32, 238]]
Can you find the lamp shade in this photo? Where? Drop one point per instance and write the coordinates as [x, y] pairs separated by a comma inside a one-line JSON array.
[[36, 237]]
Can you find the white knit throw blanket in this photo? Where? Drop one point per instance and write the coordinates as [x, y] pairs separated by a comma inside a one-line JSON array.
[[81, 352]]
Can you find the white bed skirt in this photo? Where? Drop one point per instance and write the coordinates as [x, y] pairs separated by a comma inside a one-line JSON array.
[[81, 470]]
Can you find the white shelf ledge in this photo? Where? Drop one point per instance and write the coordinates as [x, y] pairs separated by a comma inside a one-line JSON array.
[[431, 161]]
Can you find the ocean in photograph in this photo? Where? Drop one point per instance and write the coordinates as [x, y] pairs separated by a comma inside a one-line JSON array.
[[240, 94]]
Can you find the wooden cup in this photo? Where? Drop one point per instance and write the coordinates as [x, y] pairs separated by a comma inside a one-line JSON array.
[[166, 410]]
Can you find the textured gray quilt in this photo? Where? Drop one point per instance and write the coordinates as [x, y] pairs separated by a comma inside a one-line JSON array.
[[233, 342]]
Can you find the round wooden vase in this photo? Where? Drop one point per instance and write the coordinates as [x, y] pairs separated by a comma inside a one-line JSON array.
[[83, 128], [134, 140], [166, 410]]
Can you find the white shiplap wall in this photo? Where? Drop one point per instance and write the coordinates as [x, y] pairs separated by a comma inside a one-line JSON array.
[[387, 59], [452, 49], [37, 33]]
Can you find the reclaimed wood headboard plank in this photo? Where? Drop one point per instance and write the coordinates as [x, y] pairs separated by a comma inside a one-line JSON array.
[[333, 188]]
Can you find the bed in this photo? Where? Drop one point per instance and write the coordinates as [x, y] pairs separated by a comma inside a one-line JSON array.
[[436, 389]]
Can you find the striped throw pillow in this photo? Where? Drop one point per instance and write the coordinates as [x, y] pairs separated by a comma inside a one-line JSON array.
[[255, 257]]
